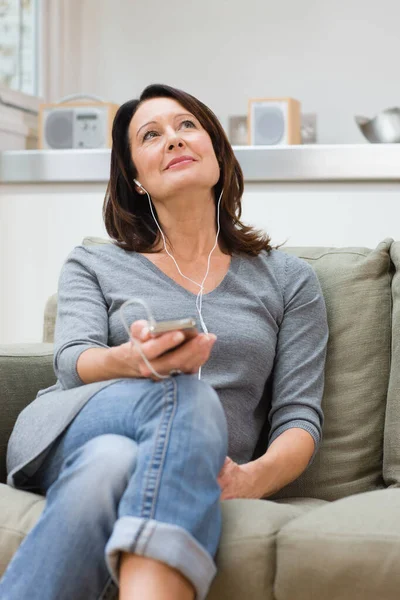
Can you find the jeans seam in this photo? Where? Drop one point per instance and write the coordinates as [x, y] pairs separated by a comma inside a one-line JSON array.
[[105, 594], [138, 534], [155, 470]]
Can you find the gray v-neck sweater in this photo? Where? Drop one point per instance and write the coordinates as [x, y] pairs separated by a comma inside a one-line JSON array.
[[269, 316]]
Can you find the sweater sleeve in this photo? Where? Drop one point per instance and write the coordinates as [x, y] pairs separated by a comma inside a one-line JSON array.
[[298, 371], [82, 316]]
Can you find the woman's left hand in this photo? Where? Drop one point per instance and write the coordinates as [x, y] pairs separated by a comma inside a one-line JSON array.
[[237, 481]]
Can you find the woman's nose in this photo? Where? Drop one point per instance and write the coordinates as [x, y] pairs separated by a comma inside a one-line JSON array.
[[174, 139], [179, 144]]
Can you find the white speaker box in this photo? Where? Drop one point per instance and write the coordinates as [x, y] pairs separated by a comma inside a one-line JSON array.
[[76, 125], [274, 121]]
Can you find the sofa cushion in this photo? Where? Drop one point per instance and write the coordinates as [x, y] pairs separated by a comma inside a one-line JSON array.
[[391, 453], [19, 512], [49, 320], [246, 557], [347, 550], [356, 283]]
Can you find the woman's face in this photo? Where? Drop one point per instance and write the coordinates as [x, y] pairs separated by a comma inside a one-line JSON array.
[[162, 130]]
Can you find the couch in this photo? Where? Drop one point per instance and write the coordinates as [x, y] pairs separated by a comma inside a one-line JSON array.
[[334, 533]]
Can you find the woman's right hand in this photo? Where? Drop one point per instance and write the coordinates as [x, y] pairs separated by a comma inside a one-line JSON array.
[[188, 358]]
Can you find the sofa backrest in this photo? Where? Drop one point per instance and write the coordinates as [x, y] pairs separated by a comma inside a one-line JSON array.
[[391, 448], [356, 283]]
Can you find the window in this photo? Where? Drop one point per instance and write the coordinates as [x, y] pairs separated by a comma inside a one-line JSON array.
[[19, 37]]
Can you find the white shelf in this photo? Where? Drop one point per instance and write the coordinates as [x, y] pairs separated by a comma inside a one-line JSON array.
[[314, 163]]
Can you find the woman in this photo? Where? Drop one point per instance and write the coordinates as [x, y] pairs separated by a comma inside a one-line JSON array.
[[134, 462]]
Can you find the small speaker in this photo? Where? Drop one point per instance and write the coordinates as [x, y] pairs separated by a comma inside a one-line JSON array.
[[76, 125], [274, 122]]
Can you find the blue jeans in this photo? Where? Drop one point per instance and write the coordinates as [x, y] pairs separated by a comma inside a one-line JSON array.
[[136, 471]]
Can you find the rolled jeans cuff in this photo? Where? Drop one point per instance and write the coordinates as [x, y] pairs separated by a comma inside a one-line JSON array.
[[167, 543]]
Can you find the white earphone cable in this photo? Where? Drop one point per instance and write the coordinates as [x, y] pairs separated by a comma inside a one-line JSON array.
[[133, 340], [199, 298]]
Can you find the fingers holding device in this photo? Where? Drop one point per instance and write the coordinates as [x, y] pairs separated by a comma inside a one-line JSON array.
[[186, 326], [172, 346]]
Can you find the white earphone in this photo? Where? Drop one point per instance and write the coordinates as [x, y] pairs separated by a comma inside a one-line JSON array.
[[139, 184]]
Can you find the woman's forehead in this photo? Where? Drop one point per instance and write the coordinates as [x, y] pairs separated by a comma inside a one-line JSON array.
[[155, 109]]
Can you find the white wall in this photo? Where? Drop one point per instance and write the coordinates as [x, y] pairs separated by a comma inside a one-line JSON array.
[[39, 226], [44, 223], [338, 58]]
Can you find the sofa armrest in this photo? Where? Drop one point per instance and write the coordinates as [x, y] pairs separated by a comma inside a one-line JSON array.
[[24, 370]]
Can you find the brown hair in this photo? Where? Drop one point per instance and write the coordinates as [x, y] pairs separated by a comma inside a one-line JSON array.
[[128, 220]]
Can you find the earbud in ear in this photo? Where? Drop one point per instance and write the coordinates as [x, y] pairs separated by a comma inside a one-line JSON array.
[[139, 184]]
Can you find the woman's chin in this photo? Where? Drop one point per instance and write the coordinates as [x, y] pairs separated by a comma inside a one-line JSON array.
[[190, 179], [184, 181]]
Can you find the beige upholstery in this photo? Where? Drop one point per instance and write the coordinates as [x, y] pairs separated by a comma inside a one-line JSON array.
[[391, 449], [249, 530], [19, 511], [356, 287], [346, 549], [334, 534]]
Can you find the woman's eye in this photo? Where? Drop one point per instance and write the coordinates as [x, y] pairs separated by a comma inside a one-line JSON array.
[[190, 123], [147, 135]]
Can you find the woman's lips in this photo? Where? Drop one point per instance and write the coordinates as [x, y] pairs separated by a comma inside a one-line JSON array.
[[180, 163]]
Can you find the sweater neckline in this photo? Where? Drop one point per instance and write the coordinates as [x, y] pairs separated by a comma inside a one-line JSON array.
[[233, 267]]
